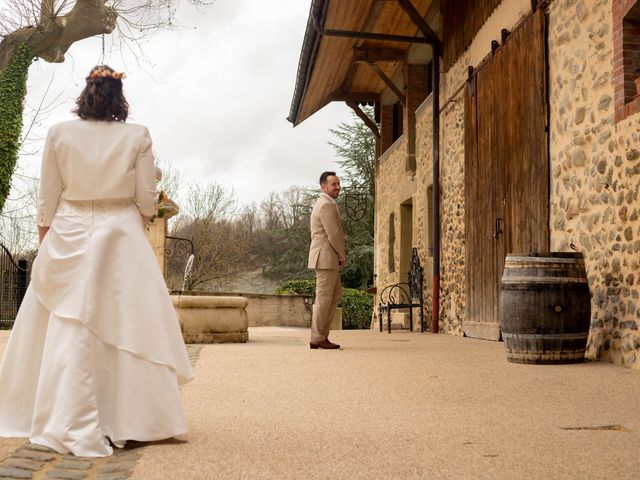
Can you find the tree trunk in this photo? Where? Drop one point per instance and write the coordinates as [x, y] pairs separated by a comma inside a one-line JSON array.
[[51, 39]]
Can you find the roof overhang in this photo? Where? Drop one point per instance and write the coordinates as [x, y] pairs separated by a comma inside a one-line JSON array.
[[335, 66]]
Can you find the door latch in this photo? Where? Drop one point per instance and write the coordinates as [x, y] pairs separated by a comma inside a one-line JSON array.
[[498, 228]]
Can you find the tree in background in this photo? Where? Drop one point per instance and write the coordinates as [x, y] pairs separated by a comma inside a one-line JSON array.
[[222, 251], [282, 242], [17, 228], [356, 147]]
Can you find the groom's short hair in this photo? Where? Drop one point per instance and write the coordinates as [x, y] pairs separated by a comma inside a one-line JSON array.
[[325, 176]]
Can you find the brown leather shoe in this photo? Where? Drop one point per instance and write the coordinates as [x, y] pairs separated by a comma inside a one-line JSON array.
[[324, 344]]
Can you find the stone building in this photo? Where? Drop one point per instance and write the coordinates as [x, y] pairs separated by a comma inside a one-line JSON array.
[[537, 130]]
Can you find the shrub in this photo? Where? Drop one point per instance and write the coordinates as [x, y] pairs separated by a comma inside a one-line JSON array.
[[297, 287], [357, 305]]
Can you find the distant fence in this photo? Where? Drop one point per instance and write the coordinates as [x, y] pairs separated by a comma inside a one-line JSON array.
[[14, 278]]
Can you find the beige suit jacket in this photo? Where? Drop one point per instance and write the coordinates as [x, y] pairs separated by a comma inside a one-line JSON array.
[[96, 160], [327, 235]]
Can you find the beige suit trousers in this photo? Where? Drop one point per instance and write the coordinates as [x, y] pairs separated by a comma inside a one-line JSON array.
[[328, 293]]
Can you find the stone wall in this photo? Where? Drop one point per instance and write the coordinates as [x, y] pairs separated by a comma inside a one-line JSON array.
[[595, 173], [273, 310], [394, 186], [279, 310], [595, 165], [423, 213], [452, 205], [452, 212]]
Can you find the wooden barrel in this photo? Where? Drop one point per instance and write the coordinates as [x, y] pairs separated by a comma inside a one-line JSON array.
[[545, 308]]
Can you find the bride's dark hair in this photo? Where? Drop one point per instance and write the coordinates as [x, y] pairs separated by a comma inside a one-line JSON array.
[[102, 97]]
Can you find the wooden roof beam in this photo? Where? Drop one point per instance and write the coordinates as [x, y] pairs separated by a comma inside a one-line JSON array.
[[348, 79], [365, 35], [347, 96], [392, 86], [370, 55], [422, 24], [364, 117]]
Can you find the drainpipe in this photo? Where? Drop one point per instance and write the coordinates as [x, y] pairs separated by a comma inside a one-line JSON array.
[[435, 299]]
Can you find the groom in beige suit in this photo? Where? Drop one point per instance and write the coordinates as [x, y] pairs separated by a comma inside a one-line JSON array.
[[326, 256]]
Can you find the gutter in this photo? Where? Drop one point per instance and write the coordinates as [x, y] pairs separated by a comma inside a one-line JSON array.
[[307, 58]]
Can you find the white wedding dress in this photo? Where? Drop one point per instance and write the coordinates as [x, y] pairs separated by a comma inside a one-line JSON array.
[[96, 355]]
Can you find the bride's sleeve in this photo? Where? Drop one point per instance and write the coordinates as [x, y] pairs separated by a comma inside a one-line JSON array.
[[50, 185], [146, 196]]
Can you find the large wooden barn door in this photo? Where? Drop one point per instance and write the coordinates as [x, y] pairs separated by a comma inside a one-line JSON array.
[[506, 169]]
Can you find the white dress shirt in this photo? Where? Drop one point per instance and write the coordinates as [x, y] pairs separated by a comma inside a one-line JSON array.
[[97, 160], [333, 200]]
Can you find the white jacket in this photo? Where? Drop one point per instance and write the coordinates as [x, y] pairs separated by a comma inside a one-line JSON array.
[[96, 160]]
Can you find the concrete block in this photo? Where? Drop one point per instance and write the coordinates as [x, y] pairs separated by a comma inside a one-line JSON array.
[[212, 319]]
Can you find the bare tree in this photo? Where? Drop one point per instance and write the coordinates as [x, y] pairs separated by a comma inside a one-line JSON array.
[[282, 242], [17, 228], [210, 201], [50, 27], [171, 181], [221, 243]]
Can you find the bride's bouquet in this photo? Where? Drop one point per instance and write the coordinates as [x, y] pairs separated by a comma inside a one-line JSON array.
[[167, 208]]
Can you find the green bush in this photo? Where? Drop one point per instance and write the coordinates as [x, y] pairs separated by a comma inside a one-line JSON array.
[[357, 305], [297, 287]]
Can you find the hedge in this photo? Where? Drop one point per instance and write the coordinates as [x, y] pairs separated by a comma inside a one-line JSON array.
[[357, 305]]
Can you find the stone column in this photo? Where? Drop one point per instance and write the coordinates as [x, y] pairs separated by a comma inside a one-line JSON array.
[[156, 229], [386, 127], [416, 78]]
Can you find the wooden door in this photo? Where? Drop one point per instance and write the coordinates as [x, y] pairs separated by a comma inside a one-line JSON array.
[[506, 169]]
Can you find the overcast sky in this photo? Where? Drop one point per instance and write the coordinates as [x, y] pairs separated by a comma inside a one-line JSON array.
[[215, 96]]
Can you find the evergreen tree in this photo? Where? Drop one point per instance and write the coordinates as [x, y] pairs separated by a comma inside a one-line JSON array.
[[356, 147]]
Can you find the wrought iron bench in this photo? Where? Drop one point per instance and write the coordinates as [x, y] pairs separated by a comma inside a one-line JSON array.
[[404, 295]]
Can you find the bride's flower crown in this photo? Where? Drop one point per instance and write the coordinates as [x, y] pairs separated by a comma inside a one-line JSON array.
[[104, 73]]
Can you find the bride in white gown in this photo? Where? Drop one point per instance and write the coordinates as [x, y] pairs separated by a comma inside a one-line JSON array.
[[96, 356]]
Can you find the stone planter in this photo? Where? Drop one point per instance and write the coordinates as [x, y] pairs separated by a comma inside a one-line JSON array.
[[212, 319]]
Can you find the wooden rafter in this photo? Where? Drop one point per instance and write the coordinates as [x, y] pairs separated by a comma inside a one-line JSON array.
[[369, 55], [347, 96], [364, 117], [349, 77], [421, 23], [392, 86], [372, 18]]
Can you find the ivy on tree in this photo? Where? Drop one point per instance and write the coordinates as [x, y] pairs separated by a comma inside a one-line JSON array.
[[13, 89]]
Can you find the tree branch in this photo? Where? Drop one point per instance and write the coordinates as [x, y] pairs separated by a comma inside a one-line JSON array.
[[51, 39], [47, 11]]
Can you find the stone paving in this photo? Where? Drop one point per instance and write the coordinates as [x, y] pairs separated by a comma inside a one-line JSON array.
[[38, 463], [35, 462]]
